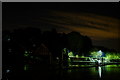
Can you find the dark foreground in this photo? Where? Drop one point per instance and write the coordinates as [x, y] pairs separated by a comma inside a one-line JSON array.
[[46, 72]]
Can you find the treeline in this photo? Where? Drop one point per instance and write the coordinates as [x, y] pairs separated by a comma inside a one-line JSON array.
[[30, 38]]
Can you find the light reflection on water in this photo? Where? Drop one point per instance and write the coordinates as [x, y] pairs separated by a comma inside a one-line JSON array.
[[99, 70], [26, 66], [108, 72]]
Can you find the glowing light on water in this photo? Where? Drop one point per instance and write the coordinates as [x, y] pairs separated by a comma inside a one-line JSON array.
[[99, 71], [25, 67]]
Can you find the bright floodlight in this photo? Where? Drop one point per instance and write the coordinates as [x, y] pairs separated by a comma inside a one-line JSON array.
[[100, 53]]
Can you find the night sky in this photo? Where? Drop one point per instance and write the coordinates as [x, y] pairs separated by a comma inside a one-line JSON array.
[[99, 21]]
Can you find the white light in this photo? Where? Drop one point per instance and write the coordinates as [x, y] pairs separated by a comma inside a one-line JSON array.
[[100, 51], [100, 71], [8, 39], [7, 70], [26, 52], [57, 58], [99, 61]]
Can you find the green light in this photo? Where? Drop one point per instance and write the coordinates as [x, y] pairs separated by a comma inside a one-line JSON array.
[[82, 56], [64, 49], [77, 65], [70, 54], [25, 67], [76, 56], [112, 56], [94, 54], [26, 55]]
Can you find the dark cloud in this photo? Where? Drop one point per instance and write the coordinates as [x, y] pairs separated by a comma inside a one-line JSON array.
[[99, 21]]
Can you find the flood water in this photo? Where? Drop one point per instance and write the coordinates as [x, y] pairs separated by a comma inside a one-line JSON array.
[[108, 72]]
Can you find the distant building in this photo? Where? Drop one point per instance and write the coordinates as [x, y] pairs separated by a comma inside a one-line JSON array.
[[43, 54]]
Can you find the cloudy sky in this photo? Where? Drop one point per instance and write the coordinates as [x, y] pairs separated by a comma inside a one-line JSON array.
[[99, 21]]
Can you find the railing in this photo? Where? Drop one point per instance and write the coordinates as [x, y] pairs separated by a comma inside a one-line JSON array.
[[89, 61]]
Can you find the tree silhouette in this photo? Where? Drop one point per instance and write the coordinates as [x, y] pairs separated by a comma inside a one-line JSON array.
[[78, 43]]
